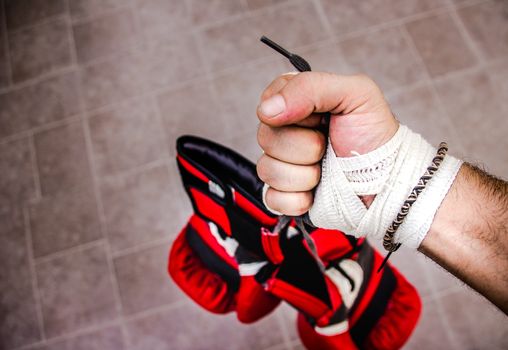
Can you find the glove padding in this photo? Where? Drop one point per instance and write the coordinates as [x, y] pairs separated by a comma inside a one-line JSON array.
[[202, 267]]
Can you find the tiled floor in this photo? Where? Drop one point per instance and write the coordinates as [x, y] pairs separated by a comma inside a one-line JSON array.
[[94, 93]]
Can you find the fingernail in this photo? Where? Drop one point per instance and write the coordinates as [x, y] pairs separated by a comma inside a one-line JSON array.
[[273, 106]]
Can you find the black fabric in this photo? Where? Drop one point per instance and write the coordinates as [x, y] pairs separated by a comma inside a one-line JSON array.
[[223, 162], [301, 270], [366, 261], [246, 230], [211, 260], [376, 308], [339, 315]]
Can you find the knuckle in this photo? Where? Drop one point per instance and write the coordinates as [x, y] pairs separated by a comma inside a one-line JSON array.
[[315, 176], [261, 169], [305, 202], [262, 136], [318, 146]]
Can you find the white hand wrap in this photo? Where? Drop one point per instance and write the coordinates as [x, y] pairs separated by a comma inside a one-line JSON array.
[[390, 172]]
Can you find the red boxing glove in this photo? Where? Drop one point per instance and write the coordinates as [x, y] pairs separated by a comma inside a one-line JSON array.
[[204, 266]]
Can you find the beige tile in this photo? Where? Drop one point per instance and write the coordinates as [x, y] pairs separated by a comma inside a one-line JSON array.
[[440, 44], [256, 4], [478, 115], [144, 281], [419, 109], [237, 42], [475, 322], [76, 291], [172, 62], [88, 8], [440, 279], [64, 221], [413, 266], [35, 105], [191, 327], [385, 56], [107, 338], [488, 25], [204, 12], [125, 137], [18, 320], [113, 33], [38, 50], [239, 91], [144, 207], [20, 13], [295, 24], [62, 158], [194, 110], [112, 80], [431, 331], [17, 183], [161, 19], [327, 57], [346, 16]]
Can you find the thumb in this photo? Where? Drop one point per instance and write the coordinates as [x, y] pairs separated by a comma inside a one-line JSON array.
[[314, 92]]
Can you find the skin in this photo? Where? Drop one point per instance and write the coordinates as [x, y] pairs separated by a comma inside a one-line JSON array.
[[469, 234]]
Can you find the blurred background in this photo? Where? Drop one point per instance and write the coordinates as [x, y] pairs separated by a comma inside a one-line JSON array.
[[94, 93]]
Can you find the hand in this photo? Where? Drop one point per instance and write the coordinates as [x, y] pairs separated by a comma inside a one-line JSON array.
[[290, 111]]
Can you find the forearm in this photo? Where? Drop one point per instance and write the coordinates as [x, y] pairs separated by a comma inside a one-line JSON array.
[[469, 234]]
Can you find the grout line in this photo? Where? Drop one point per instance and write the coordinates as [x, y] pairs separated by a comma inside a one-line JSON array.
[[70, 36], [318, 6], [156, 310], [435, 94], [35, 167], [102, 218], [31, 263], [39, 23], [116, 322], [143, 246], [78, 20], [68, 251], [100, 206], [136, 170], [73, 334], [466, 36], [38, 79], [467, 3], [162, 126], [41, 128]]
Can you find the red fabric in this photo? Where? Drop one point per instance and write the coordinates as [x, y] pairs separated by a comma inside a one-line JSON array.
[[335, 298], [399, 320], [203, 286], [253, 210], [270, 242], [213, 211], [316, 341], [253, 302], [330, 244], [191, 169], [370, 290], [301, 300]]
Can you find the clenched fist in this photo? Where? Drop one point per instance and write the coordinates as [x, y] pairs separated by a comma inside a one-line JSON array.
[[292, 109]]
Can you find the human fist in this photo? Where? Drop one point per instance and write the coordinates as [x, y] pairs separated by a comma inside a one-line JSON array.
[[291, 110]]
